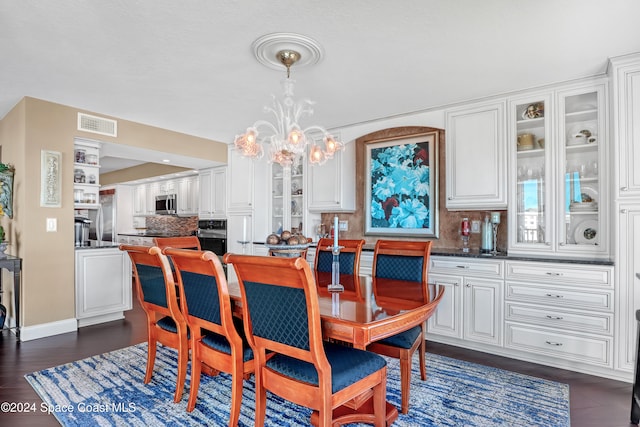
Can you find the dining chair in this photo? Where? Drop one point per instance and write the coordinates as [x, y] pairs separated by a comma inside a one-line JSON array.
[[156, 290], [181, 242], [217, 337], [403, 265], [349, 263], [281, 315]]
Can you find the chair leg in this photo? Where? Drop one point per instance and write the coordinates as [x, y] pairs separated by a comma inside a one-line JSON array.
[[183, 361], [196, 372], [325, 414], [380, 401], [236, 395], [261, 401], [405, 379], [423, 359], [151, 355]]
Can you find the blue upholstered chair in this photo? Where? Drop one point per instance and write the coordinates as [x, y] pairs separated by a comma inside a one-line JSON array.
[[400, 276], [281, 315], [156, 290], [349, 265], [217, 338]]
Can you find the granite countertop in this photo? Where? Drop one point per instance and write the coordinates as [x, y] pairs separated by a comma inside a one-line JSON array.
[[94, 244], [156, 233], [475, 253]]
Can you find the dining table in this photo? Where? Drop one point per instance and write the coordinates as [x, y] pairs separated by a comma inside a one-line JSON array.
[[359, 316]]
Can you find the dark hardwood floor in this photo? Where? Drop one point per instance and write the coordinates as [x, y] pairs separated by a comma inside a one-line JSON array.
[[595, 401]]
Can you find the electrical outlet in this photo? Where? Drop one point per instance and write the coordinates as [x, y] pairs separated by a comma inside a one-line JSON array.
[[52, 224], [475, 226], [343, 226]]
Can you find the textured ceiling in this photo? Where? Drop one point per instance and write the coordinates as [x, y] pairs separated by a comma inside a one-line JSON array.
[[188, 66]]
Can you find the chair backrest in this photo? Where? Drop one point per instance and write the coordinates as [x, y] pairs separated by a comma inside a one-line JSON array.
[[204, 293], [349, 256], [280, 307], [401, 261], [154, 281], [182, 242]]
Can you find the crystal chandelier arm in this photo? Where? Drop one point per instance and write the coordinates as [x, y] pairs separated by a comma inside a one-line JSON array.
[[268, 125]]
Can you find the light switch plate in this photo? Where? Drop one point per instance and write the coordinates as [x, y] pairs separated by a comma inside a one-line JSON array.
[[475, 226], [52, 224], [343, 226]]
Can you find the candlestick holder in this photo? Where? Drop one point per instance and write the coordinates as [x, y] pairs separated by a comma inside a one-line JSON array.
[[495, 239], [335, 285]]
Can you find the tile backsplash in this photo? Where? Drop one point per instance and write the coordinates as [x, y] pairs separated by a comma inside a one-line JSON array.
[[172, 224]]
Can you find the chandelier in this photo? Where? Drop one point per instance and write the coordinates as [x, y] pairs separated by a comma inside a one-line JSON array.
[[285, 139]]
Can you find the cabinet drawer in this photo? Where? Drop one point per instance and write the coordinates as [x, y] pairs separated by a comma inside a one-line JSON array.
[[560, 296], [599, 323], [551, 342], [466, 267], [581, 274]]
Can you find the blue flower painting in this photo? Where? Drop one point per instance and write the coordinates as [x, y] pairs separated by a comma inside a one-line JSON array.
[[401, 195]]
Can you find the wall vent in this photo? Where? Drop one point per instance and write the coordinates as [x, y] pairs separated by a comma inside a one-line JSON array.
[[99, 125]]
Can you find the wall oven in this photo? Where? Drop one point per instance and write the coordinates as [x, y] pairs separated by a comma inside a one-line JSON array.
[[166, 204], [212, 234]]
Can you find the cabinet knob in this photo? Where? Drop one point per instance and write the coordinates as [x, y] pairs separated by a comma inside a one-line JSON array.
[[557, 344], [449, 198], [624, 188], [555, 296], [554, 317], [624, 211], [462, 266]]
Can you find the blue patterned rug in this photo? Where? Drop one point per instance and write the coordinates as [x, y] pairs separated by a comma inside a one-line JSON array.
[[108, 390]]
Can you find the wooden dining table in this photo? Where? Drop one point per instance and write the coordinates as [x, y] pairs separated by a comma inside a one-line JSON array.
[[359, 316]]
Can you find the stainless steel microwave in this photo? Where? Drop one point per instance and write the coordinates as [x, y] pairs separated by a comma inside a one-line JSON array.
[[166, 204]]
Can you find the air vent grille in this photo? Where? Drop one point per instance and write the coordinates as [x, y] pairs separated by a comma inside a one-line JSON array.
[[99, 125]]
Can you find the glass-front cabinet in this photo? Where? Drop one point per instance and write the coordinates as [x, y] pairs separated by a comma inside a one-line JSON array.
[[559, 149], [287, 197]]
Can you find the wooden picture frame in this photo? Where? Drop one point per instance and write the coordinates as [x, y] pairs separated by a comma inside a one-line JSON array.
[[401, 186]]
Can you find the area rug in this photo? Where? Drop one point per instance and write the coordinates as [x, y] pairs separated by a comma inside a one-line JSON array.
[[108, 390]]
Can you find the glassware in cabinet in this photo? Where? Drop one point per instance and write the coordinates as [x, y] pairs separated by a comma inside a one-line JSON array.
[[530, 213], [277, 199]]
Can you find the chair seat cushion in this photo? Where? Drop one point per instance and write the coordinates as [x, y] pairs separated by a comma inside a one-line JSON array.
[[348, 365], [404, 339], [220, 343], [168, 324]]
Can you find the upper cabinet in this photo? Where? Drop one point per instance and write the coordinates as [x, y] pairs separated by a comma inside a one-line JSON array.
[[558, 145], [240, 186], [476, 166], [86, 174], [332, 186], [187, 192], [288, 197], [212, 192], [625, 78]]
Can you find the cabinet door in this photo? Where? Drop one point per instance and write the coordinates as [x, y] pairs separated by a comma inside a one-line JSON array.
[[140, 200], [188, 196], [332, 186], [531, 225], [205, 209], [628, 283], [219, 184], [482, 310], [625, 78], [447, 319], [240, 196], [582, 190], [476, 157], [151, 192]]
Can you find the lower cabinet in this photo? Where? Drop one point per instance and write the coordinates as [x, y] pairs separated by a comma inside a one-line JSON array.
[[471, 308], [103, 285]]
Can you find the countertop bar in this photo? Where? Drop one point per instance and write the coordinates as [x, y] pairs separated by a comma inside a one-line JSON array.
[[94, 244], [501, 255]]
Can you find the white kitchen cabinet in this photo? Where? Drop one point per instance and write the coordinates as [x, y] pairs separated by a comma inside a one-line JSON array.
[[151, 191], [562, 311], [476, 158], [628, 297], [288, 197], [471, 308], [332, 186], [624, 72], [139, 200], [103, 285], [558, 146], [187, 192], [241, 181], [212, 193], [168, 186]]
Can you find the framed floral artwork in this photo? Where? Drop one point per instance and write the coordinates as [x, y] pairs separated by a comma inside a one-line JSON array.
[[401, 193]]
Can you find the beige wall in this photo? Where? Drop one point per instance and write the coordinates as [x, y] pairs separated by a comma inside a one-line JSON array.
[[48, 258], [133, 173]]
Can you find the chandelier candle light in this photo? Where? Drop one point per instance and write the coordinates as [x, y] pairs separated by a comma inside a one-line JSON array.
[[285, 139]]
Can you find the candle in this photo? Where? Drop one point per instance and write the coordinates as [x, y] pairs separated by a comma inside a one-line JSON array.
[[495, 217], [244, 229], [335, 231]]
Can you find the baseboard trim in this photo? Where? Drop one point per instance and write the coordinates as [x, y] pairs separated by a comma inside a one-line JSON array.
[[28, 333]]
